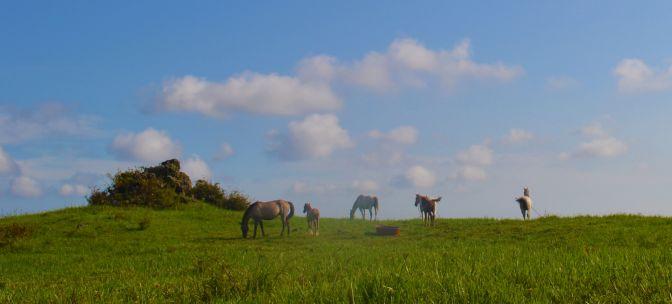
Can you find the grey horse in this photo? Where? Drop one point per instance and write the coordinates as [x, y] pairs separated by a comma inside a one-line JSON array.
[[260, 211]]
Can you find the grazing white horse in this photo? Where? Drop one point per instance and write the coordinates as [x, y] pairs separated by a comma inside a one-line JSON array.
[[525, 203], [365, 202]]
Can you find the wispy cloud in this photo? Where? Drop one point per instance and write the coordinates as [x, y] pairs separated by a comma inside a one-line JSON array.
[[599, 144], [634, 75], [46, 120]]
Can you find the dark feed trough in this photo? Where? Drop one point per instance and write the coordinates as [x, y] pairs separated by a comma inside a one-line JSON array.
[[387, 230]]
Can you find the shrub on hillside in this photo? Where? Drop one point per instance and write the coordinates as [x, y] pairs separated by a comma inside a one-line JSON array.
[[11, 233], [163, 186], [208, 192], [98, 197], [213, 194], [237, 201]]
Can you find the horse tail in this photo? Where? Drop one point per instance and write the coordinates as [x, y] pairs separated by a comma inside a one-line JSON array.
[[291, 210], [376, 206]]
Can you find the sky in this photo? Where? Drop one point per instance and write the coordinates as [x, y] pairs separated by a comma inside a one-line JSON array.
[[321, 102]]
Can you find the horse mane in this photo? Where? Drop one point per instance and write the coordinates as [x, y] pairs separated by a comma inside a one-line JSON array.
[[246, 214]]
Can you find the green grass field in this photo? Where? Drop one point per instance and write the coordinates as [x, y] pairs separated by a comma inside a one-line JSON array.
[[94, 254]]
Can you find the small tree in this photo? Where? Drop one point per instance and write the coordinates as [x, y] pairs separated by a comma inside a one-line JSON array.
[[213, 194], [209, 193], [237, 201]]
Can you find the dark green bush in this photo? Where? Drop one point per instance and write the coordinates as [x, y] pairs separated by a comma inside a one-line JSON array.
[[162, 186], [208, 192], [237, 201], [98, 197], [213, 194]]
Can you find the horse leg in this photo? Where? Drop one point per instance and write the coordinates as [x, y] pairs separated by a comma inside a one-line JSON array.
[[255, 229], [363, 214], [317, 226], [288, 228], [433, 216], [282, 232], [523, 212], [261, 224], [370, 215]]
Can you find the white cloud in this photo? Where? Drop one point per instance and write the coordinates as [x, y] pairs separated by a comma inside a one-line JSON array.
[[365, 186], [317, 136], [600, 144], [319, 68], [225, 151], [517, 136], [409, 63], [419, 176], [561, 83], [593, 130], [24, 186], [474, 159], [406, 63], [636, 76], [73, 190], [602, 147], [7, 164], [405, 135], [252, 93], [149, 145], [477, 155], [471, 173], [46, 120], [196, 168]]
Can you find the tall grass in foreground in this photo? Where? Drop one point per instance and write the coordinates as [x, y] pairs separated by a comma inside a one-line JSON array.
[[96, 254]]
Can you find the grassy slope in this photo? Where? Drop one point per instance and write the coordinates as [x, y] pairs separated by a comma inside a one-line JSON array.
[[89, 254]]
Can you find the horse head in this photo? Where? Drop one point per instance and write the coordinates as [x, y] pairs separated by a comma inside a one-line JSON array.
[[306, 207], [418, 199], [244, 228]]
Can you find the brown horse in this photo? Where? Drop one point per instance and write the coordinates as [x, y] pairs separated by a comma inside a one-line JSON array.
[[260, 211], [427, 207], [313, 216]]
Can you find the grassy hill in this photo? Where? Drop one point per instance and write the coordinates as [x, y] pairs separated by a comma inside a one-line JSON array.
[[112, 254]]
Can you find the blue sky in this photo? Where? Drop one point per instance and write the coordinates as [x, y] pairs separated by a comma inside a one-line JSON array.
[[321, 102]]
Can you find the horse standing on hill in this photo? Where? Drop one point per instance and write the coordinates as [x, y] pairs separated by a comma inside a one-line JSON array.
[[525, 203], [313, 216], [260, 211], [364, 202], [427, 208]]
